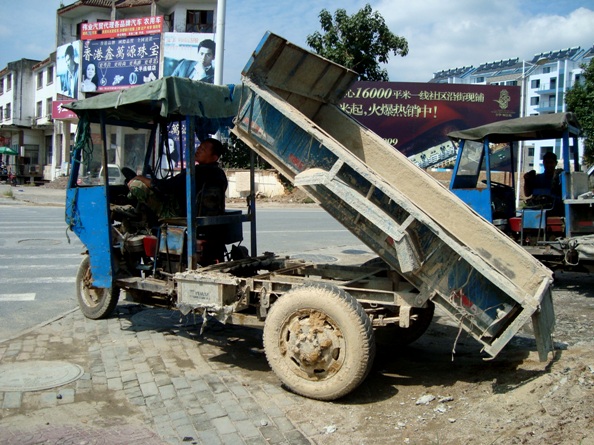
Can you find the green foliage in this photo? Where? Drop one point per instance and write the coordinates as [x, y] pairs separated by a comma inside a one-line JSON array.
[[237, 155], [580, 100], [360, 42]]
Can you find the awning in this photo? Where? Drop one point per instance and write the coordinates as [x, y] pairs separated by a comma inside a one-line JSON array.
[[8, 151]]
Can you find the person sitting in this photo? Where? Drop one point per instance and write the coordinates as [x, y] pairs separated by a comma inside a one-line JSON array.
[[544, 188], [166, 198]]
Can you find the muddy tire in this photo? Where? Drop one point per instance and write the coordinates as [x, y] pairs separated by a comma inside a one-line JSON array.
[[319, 341], [95, 303], [394, 336]]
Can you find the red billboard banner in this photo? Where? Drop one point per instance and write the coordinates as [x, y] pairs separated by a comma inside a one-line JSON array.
[[58, 112], [415, 118], [122, 28]]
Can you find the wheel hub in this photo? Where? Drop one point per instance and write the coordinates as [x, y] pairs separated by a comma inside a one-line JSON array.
[[312, 344]]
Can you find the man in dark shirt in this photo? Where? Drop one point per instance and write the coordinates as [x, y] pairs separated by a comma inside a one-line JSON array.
[[542, 182], [167, 197], [545, 188]]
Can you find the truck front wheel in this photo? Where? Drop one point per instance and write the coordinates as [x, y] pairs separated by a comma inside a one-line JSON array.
[[95, 303], [319, 341]]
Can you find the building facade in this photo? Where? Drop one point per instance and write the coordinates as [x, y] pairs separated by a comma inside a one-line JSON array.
[[32, 91]]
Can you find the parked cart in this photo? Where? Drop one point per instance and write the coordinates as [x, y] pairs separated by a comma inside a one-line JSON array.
[[319, 321]]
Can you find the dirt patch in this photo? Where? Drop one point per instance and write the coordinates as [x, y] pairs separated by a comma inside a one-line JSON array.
[[428, 394], [58, 183], [293, 196]]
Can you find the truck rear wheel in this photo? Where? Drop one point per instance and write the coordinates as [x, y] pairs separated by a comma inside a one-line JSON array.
[[319, 341], [95, 303]]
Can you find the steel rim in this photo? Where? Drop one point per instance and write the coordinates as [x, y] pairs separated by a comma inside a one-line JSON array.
[[91, 297], [312, 345]]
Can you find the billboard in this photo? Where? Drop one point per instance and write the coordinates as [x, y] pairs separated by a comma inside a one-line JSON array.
[[113, 64], [68, 69], [58, 112], [415, 118], [189, 55], [122, 28]]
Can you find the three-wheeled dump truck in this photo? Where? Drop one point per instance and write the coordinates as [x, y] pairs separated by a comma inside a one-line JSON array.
[[556, 224], [318, 320]]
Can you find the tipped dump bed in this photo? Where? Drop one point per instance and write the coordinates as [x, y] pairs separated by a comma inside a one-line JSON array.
[[289, 115]]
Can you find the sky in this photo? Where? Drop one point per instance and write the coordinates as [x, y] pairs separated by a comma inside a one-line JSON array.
[[440, 34]]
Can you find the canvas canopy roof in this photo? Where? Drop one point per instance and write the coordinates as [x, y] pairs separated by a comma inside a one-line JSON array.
[[544, 126], [168, 98]]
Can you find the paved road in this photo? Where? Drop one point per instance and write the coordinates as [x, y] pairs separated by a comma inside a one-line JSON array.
[[37, 266], [140, 384], [297, 230]]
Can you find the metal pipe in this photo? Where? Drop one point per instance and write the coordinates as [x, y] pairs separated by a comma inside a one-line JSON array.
[[220, 42]]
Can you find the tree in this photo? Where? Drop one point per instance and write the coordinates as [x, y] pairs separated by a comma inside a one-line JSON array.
[[360, 42], [580, 100], [237, 155]]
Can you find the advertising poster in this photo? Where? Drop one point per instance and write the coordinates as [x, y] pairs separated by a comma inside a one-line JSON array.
[[189, 55], [68, 69], [415, 118], [113, 64], [139, 26]]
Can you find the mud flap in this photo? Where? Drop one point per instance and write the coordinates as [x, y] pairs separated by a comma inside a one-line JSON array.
[[543, 322], [87, 216]]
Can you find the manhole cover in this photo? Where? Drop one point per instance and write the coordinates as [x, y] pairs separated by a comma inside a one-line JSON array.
[[37, 375], [39, 242], [355, 252], [314, 258]]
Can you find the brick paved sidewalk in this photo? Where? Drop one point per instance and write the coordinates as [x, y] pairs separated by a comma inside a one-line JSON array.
[[149, 384]]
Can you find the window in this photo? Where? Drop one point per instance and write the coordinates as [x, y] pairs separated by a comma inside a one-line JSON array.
[[9, 82], [1, 113], [534, 84], [480, 79], [50, 75], [79, 29], [546, 70], [1, 88], [49, 151], [31, 151], [7, 111], [39, 79], [200, 21], [39, 110], [48, 107], [534, 100], [169, 21], [545, 150], [553, 83]]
